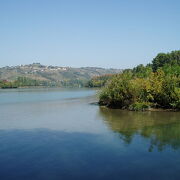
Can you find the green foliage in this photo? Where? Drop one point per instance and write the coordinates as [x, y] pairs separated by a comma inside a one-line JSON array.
[[142, 71], [161, 59], [139, 88], [6, 84], [171, 69], [139, 106], [119, 91], [99, 81], [73, 83], [22, 82], [27, 82]]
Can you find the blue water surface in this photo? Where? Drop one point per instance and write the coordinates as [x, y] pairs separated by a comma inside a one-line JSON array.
[[49, 134]]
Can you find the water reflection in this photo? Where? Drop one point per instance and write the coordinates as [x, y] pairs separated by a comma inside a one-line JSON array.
[[162, 129], [65, 138]]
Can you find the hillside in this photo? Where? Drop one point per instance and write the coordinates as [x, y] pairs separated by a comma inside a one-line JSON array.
[[62, 76]]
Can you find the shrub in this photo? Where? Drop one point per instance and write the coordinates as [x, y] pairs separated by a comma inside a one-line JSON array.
[[139, 106]]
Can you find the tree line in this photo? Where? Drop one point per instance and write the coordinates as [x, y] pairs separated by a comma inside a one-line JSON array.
[[156, 85], [22, 82], [28, 82]]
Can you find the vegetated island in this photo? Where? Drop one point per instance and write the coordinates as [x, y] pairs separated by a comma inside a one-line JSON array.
[[156, 85]]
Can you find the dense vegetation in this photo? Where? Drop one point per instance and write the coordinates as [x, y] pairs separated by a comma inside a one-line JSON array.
[[155, 85], [7, 84], [27, 82], [99, 81], [22, 82]]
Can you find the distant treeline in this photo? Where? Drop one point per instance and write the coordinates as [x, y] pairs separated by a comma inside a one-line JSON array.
[[22, 82], [99, 81], [154, 85], [28, 82]]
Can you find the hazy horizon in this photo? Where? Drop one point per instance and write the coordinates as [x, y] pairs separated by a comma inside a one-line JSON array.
[[107, 34], [57, 66]]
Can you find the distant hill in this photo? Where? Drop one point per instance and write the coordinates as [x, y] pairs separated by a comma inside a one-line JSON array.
[[62, 76]]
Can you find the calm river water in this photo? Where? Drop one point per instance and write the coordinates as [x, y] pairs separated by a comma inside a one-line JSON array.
[[50, 134]]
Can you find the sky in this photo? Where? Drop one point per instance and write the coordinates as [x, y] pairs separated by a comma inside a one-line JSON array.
[[80, 33]]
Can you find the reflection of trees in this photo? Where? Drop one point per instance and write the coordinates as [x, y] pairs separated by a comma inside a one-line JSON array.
[[161, 136], [161, 128]]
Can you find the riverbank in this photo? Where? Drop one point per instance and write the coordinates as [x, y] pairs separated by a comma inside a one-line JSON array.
[[147, 109]]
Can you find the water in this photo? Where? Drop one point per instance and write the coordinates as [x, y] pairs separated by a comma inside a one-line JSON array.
[[59, 134]]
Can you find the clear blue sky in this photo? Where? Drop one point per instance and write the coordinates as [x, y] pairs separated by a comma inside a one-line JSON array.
[[104, 33]]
